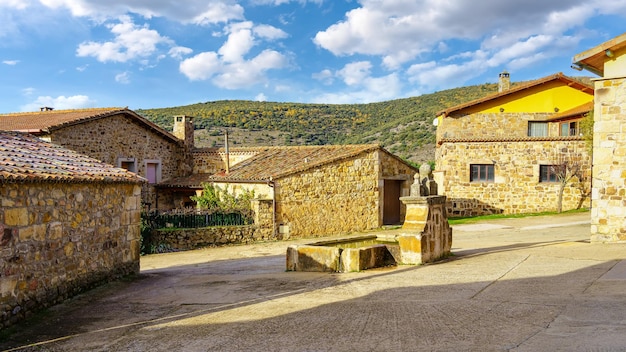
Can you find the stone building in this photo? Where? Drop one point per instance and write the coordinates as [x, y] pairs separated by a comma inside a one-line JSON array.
[[116, 136], [67, 222], [315, 190], [504, 153], [608, 197]]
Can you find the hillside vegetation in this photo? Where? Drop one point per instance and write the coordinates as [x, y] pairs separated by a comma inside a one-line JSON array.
[[403, 126]]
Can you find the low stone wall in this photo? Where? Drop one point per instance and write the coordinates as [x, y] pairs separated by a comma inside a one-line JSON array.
[[59, 239], [186, 239]]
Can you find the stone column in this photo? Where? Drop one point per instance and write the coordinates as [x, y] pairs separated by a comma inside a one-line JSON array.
[[608, 196], [426, 235]]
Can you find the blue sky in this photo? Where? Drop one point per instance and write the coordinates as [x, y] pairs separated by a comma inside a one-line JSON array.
[[160, 53]]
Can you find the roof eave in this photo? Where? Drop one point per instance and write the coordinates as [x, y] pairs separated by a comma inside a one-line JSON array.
[[586, 59], [558, 76]]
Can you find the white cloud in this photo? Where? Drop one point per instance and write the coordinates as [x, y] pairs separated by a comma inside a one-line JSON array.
[[123, 78], [363, 87], [11, 62], [177, 52], [201, 67], [28, 91], [15, 4], [281, 2], [230, 67], [131, 42], [269, 32], [199, 12], [251, 72], [325, 76], [239, 43], [60, 102], [401, 31], [354, 73], [260, 97]]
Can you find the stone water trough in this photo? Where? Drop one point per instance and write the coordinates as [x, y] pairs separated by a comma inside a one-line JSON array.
[[424, 237]]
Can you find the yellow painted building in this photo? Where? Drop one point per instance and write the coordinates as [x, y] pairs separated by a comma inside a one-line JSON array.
[[504, 153]]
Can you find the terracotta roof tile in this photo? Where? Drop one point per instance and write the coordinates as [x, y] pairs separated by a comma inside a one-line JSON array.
[[275, 162], [41, 122], [26, 158], [509, 139]]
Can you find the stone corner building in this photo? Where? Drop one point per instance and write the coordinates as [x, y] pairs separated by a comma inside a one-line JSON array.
[[67, 222], [116, 136], [312, 191], [499, 154], [608, 197]]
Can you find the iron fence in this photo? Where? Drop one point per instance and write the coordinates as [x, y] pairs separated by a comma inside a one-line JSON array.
[[196, 220]]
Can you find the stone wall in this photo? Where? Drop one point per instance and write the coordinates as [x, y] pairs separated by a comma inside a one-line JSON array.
[[486, 126], [119, 136], [608, 208], [59, 239], [186, 239], [337, 198], [516, 187]]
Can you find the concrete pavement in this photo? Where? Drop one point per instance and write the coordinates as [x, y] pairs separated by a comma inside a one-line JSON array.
[[528, 284]]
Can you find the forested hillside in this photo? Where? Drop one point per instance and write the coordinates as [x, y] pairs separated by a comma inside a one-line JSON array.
[[403, 126]]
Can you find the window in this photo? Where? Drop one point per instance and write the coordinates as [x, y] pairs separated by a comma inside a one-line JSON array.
[[127, 163], [153, 171], [537, 129], [548, 173], [569, 128], [481, 173]]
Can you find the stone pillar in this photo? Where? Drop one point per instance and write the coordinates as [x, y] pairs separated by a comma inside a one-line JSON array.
[[608, 196], [426, 235]]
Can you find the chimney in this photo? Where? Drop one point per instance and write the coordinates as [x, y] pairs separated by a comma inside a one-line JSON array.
[[183, 129], [504, 82], [227, 156]]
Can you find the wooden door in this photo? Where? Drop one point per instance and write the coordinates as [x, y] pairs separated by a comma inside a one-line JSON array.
[[391, 204]]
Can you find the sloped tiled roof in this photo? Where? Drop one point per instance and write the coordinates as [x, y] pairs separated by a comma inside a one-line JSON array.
[[559, 76], [275, 162], [42, 122], [26, 158], [577, 111]]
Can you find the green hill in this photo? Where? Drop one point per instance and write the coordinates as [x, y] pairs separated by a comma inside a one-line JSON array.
[[402, 126]]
